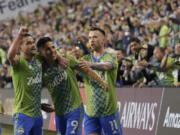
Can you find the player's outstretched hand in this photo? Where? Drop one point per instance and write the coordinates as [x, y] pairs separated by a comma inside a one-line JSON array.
[[47, 107]]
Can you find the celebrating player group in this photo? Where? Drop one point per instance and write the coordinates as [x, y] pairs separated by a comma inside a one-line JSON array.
[[36, 63]]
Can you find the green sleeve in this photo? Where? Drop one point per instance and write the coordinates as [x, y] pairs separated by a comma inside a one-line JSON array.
[[72, 61], [114, 61], [17, 66]]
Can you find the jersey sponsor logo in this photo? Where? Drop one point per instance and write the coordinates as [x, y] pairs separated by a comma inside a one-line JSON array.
[[172, 120], [58, 79], [34, 80]]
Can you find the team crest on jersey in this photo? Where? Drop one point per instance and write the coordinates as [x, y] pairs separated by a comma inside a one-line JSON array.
[[20, 130]]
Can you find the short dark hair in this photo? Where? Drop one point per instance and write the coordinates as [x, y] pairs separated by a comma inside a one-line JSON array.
[[42, 41], [135, 39], [120, 49], [98, 29], [25, 36]]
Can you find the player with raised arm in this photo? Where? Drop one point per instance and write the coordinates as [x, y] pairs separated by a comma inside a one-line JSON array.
[[101, 115], [27, 81]]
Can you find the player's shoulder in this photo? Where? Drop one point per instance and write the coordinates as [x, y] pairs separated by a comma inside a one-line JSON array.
[[19, 64], [20, 60], [110, 55]]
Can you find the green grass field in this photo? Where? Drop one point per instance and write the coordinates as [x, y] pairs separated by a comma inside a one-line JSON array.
[[8, 130]]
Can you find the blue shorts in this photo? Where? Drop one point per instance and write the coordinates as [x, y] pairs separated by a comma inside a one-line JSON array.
[[25, 125], [108, 125], [71, 123]]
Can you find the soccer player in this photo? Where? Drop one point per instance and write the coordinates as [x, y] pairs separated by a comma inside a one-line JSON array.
[[27, 80], [63, 87], [101, 115]]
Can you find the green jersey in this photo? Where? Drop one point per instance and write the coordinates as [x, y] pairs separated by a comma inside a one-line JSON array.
[[163, 41], [166, 77], [99, 102], [27, 80], [63, 87]]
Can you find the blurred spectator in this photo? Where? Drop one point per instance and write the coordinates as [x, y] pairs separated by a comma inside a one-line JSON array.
[[130, 25], [164, 33]]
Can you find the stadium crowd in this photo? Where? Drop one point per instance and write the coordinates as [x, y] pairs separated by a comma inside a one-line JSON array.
[[145, 35]]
